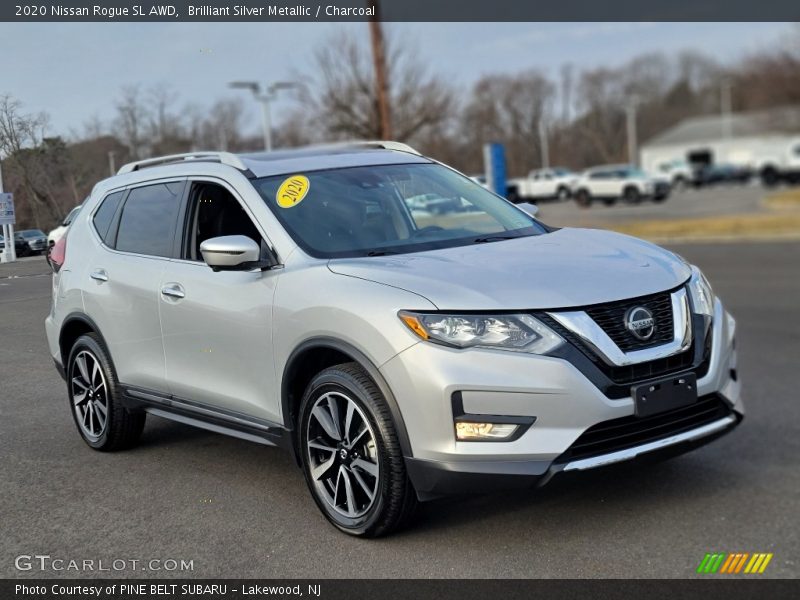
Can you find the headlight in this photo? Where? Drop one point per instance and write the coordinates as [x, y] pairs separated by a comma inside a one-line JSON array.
[[701, 293], [522, 333]]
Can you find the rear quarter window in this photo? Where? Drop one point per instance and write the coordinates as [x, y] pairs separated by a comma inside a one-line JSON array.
[[105, 214]]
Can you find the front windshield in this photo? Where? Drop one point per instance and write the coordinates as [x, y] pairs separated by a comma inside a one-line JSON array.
[[390, 209], [31, 233]]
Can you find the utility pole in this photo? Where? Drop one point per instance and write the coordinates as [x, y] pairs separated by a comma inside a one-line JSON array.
[[726, 108], [544, 144], [633, 150], [112, 165], [381, 77]]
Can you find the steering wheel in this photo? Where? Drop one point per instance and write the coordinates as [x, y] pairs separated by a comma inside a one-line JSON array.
[[426, 230]]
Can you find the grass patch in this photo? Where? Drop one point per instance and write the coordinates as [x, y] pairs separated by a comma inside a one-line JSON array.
[[731, 226], [788, 198]]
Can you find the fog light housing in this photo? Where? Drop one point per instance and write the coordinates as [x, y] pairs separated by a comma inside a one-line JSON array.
[[470, 431]]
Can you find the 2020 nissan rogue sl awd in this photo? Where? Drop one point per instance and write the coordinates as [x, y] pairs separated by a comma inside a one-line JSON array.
[[294, 299]]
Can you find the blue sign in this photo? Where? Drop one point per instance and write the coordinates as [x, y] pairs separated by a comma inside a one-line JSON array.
[[494, 160]]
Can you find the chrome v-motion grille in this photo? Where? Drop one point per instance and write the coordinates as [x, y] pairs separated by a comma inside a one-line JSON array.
[[674, 332]]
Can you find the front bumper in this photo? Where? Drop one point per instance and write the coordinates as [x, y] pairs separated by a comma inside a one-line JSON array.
[[564, 402], [37, 245], [438, 478]]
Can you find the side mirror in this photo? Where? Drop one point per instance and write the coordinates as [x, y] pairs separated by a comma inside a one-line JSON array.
[[529, 208], [233, 253]]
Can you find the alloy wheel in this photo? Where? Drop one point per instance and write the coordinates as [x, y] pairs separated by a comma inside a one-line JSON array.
[[342, 455], [89, 395]]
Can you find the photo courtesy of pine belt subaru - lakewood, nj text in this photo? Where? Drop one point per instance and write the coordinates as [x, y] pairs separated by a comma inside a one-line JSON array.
[[308, 299]]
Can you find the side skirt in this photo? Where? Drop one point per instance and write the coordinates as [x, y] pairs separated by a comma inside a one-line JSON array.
[[200, 415]]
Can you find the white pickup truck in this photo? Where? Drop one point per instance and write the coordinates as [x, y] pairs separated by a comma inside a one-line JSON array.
[[781, 163], [542, 184]]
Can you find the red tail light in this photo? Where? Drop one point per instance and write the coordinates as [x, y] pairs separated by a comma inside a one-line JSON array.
[[57, 254]]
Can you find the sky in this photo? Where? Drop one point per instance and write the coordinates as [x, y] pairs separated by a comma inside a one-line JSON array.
[[74, 71]]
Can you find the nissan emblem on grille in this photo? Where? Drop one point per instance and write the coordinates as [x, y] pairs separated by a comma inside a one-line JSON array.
[[639, 321]]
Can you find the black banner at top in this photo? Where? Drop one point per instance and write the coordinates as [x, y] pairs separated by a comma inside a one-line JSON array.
[[401, 10]]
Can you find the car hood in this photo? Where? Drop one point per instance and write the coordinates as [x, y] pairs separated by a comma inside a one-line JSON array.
[[566, 268]]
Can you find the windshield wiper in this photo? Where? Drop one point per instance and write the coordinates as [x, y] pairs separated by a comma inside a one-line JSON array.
[[380, 252], [493, 238]]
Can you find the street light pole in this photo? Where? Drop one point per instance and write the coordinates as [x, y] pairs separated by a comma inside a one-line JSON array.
[[633, 150], [726, 108], [264, 98], [544, 145], [266, 122]]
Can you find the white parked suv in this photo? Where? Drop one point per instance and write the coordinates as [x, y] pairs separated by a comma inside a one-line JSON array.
[[542, 184], [609, 183], [294, 299], [679, 173], [57, 233]]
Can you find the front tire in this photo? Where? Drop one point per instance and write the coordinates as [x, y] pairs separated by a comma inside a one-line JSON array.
[[102, 421], [632, 195], [583, 198], [351, 455]]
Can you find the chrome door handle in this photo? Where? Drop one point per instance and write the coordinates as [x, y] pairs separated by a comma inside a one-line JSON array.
[[173, 290], [99, 275]]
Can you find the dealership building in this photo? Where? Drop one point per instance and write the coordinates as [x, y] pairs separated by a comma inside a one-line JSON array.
[[743, 139]]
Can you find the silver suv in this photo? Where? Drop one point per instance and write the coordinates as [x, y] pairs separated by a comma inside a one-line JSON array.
[[295, 299]]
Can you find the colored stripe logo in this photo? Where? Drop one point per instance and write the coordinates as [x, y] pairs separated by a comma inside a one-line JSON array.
[[733, 563]]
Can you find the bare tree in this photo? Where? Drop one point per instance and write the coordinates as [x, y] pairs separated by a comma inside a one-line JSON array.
[[163, 122], [224, 123], [509, 109], [31, 160], [131, 121], [341, 95], [93, 128]]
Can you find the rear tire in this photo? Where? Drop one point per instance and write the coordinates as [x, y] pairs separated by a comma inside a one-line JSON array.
[[351, 455], [609, 201], [94, 398], [769, 177]]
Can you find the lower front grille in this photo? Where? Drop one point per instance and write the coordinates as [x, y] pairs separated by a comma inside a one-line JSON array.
[[628, 432], [650, 369]]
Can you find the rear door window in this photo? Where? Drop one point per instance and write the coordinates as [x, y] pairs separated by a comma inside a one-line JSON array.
[[147, 224]]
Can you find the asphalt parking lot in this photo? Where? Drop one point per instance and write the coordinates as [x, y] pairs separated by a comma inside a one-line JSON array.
[[242, 510], [688, 203]]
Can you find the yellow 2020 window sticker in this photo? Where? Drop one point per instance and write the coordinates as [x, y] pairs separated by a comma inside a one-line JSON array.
[[292, 191]]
